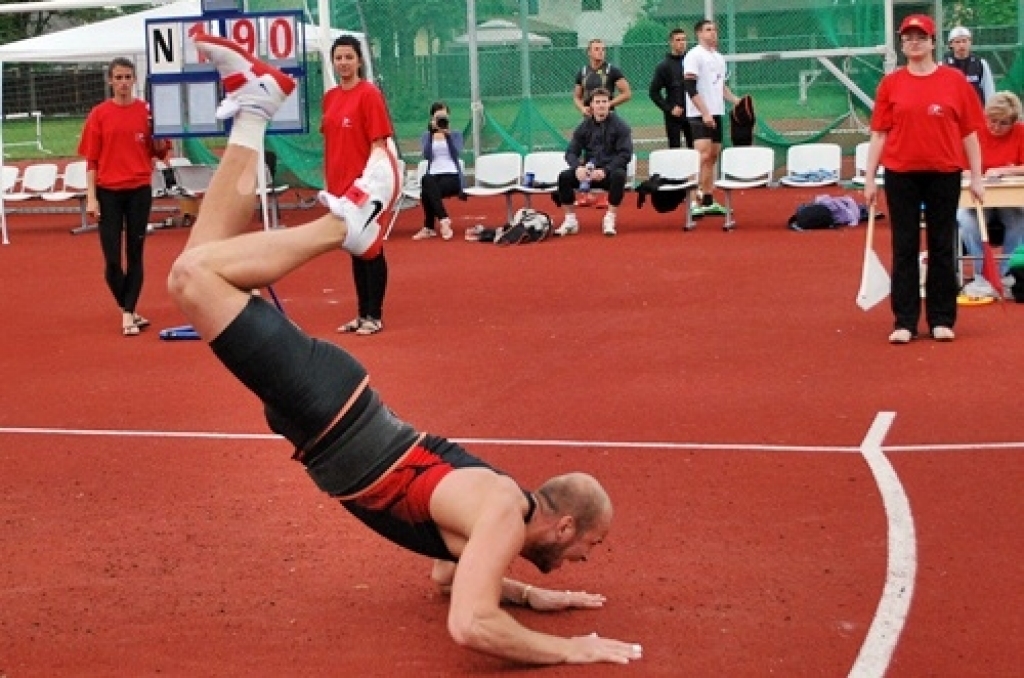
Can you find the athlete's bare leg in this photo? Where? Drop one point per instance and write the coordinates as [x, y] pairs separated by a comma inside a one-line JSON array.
[[211, 279]]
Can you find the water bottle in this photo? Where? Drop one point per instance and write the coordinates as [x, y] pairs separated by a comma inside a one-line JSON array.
[[585, 184]]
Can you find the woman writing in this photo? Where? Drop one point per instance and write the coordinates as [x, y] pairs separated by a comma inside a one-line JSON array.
[[1002, 155], [355, 124], [923, 127], [441, 149], [118, 146]]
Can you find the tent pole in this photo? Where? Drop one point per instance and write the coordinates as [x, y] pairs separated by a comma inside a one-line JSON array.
[[3, 209], [476, 107]]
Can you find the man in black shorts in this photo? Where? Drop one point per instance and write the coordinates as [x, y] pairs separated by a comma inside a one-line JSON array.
[[704, 76], [420, 491]]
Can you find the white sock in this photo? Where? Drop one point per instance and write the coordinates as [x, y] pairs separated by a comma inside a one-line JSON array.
[[248, 130]]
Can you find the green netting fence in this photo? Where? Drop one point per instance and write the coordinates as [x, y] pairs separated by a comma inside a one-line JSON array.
[[420, 54]]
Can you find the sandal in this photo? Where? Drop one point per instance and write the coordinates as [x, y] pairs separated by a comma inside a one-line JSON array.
[[140, 322], [446, 229], [370, 326], [424, 234], [351, 326], [130, 330]]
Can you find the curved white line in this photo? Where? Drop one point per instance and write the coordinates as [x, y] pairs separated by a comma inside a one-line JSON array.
[[891, 615]]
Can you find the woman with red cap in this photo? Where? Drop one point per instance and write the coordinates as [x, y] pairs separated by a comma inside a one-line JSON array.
[[924, 131]]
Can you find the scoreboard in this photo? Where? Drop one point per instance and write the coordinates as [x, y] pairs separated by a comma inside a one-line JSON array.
[[184, 88]]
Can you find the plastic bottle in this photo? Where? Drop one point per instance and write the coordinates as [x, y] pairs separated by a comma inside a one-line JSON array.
[[585, 184]]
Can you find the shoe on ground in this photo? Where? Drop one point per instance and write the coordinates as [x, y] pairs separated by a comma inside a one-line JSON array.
[[249, 84], [569, 227], [351, 326], [446, 229], [980, 288], [601, 202], [941, 333], [714, 208], [697, 210], [584, 200], [608, 224], [425, 234], [901, 336], [370, 326]]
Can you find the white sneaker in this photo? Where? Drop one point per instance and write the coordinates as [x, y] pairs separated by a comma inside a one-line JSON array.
[[608, 224], [979, 288], [569, 227], [364, 202], [250, 84]]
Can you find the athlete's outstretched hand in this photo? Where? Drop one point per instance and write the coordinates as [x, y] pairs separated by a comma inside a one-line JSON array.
[[593, 648], [546, 600]]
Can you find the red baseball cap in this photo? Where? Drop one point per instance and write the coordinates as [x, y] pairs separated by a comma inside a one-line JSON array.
[[919, 21]]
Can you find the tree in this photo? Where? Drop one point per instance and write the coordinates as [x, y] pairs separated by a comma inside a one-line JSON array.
[[645, 31], [980, 12]]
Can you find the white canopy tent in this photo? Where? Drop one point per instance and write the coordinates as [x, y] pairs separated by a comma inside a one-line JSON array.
[[498, 32], [125, 36]]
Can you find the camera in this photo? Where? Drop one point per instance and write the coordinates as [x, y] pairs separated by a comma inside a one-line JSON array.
[[441, 121]]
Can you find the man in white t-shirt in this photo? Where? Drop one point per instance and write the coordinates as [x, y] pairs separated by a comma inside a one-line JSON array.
[[704, 76]]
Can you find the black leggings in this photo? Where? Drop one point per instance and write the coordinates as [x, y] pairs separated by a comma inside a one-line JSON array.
[[433, 189], [124, 212], [371, 278], [905, 193], [677, 129]]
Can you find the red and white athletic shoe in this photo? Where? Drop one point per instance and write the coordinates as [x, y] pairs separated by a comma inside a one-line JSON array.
[[362, 205], [250, 84]]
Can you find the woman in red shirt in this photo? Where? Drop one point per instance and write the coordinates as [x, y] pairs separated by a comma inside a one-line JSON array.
[[1002, 155], [355, 124], [118, 145], [924, 131]]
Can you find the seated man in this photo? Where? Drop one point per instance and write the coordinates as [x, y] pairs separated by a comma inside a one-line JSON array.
[[418, 490], [1002, 155], [600, 151]]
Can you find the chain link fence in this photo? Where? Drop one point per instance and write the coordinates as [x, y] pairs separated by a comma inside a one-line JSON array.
[[811, 66]]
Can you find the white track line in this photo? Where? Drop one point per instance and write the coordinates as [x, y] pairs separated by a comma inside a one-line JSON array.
[[513, 442], [901, 568]]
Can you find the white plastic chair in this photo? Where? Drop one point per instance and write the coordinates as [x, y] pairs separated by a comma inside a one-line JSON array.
[[682, 166], [743, 167], [35, 181], [806, 161], [860, 165], [9, 179], [545, 167], [74, 186], [497, 174]]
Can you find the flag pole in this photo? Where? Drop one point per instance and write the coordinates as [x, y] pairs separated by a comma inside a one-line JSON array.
[[988, 258]]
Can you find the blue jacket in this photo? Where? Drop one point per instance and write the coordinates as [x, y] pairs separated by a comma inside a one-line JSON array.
[[455, 144], [608, 144]]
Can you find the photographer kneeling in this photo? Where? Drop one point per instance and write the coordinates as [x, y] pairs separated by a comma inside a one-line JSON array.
[[443, 178]]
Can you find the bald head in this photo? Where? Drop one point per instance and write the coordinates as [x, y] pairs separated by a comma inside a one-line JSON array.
[[580, 496]]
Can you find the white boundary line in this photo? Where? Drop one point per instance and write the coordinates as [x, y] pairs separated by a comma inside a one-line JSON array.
[[901, 567], [540, 442]]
